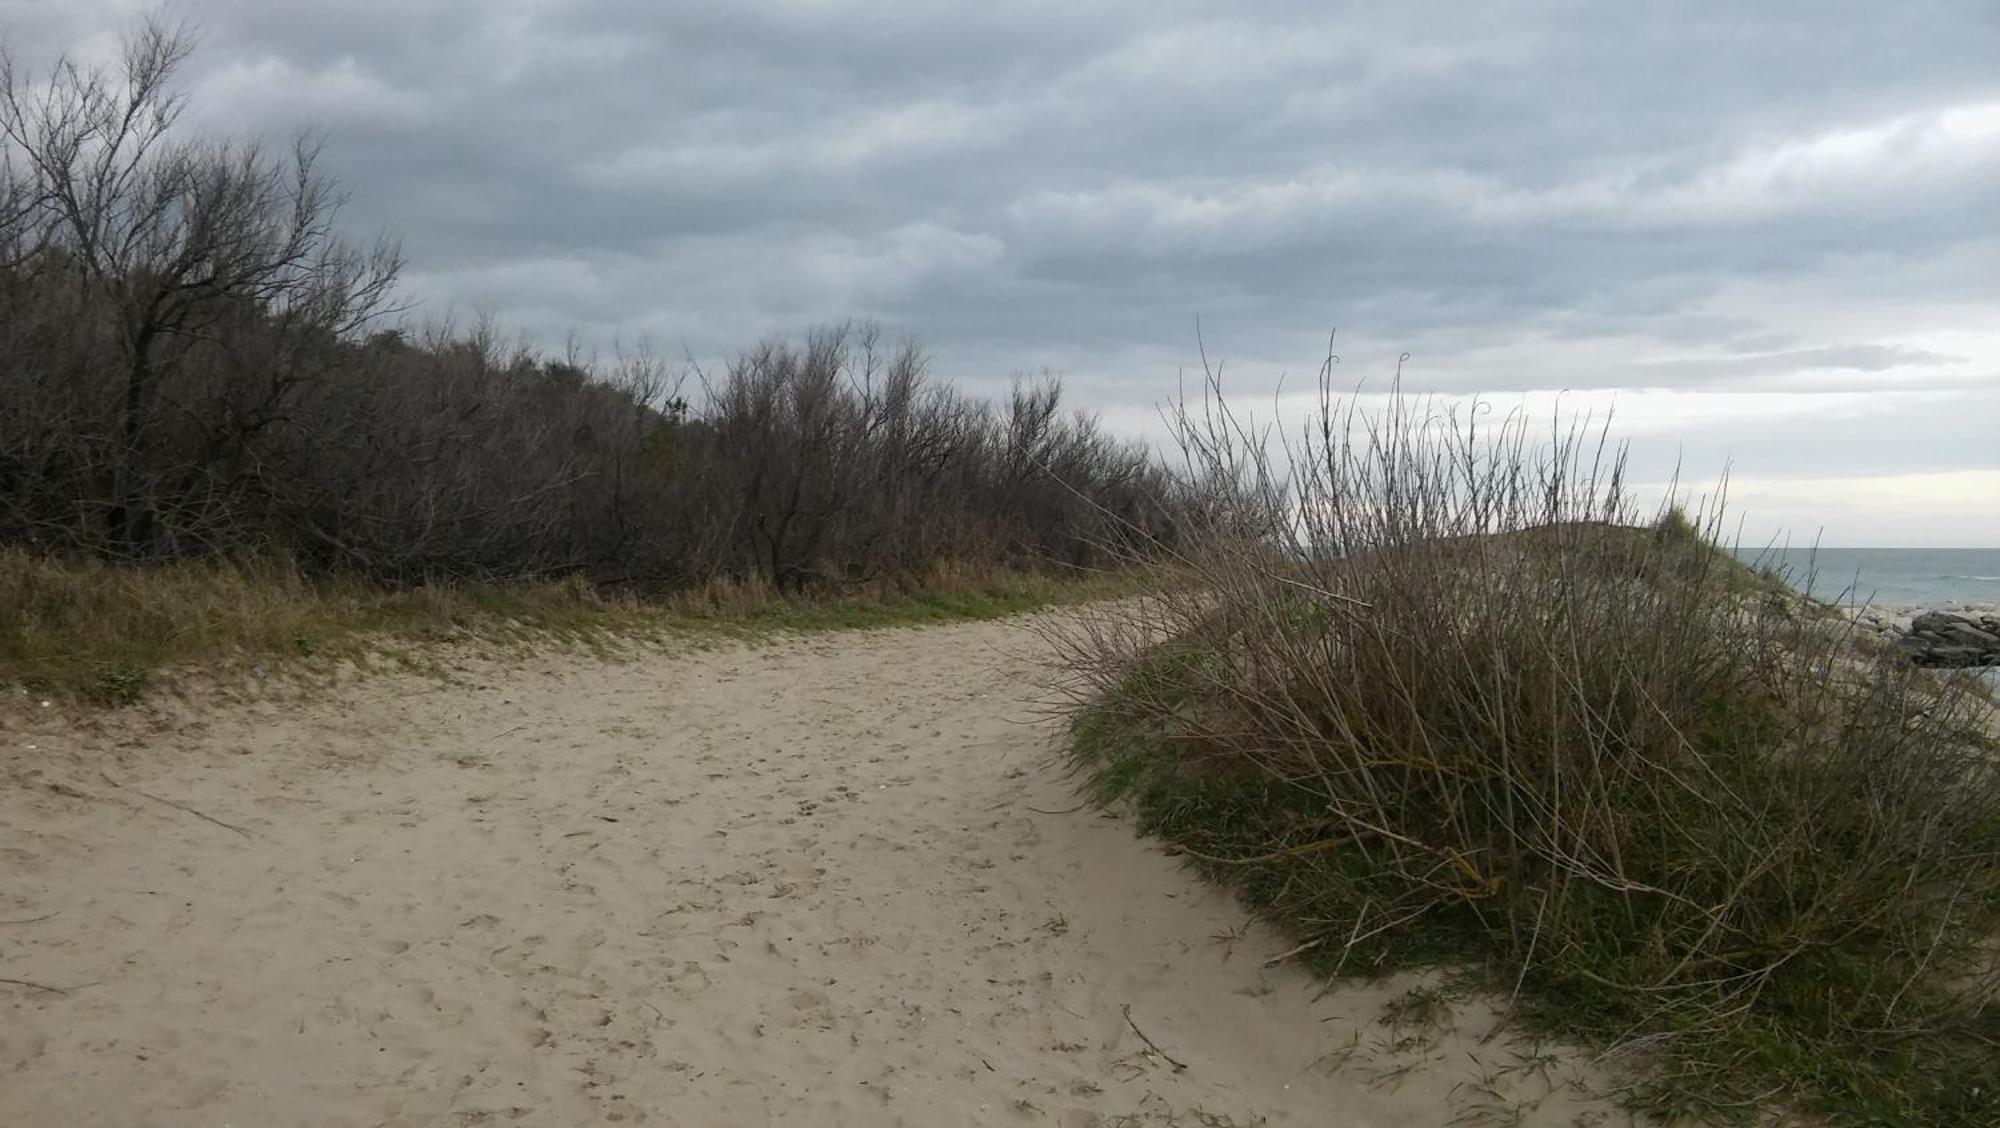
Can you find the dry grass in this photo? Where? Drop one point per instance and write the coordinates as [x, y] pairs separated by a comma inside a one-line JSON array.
[[86, 629], [1438, 698]]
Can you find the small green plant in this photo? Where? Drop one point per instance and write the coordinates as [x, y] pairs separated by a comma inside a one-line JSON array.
[[1424, 1012], [1674, 527], [121, 685]]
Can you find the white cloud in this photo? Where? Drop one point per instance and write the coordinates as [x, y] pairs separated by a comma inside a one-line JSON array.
[[1948, 509]]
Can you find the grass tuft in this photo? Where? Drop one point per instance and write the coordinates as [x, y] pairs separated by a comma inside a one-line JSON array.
[[1437, 699]]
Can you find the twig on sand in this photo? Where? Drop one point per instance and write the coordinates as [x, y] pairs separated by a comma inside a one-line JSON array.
[[509, 732], [32, 920], [35, 986], [1273, 856], [1150, 1044], [178, 807], [1064, 811], [1281, 957]]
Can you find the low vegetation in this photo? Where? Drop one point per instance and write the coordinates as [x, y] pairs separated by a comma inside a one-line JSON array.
[[109, 632], [1438, 697]]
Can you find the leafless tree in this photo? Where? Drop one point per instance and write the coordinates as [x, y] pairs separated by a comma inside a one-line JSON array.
[[168, 239], [191, 365]]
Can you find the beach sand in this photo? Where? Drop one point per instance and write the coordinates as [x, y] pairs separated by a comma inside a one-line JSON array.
[[809, 882]]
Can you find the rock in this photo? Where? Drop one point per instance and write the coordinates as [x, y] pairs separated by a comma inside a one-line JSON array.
[[1973, 636], [1952, 639]]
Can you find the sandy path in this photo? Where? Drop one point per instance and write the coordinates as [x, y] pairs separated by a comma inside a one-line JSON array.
[[794, 884]]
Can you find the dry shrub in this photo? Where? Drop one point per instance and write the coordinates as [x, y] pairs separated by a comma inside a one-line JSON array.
[[195, 365], [1436, 696]]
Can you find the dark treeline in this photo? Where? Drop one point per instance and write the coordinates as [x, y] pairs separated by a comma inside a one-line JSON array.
[[194, 362]]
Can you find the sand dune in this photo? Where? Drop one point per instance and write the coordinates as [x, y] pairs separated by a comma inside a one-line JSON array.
[[804, 883]]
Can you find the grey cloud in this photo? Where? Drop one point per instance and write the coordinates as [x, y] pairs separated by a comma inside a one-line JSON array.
[[1522, 195]]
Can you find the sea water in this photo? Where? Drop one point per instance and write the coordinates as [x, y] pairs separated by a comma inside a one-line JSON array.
[[1892, 579], [1889, 578]]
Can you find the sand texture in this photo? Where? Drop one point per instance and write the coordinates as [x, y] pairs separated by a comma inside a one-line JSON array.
[[797, 883]]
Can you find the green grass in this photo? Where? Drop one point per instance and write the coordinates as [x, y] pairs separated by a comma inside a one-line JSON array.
[[108, 634], [999, 597]]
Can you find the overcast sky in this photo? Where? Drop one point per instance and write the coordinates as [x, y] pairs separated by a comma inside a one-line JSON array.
[[1768, 232]]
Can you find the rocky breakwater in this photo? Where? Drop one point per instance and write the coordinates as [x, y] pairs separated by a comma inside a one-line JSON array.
[[1950, 638]]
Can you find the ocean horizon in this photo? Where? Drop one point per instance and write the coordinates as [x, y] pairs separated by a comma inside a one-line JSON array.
[[1930, 578]]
